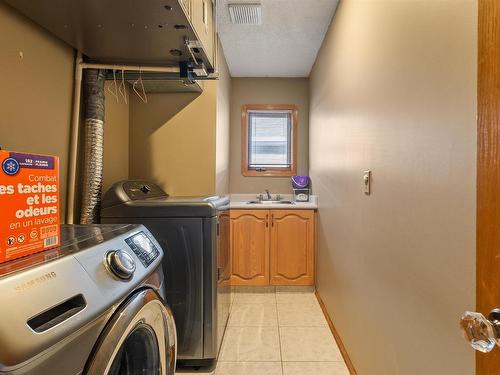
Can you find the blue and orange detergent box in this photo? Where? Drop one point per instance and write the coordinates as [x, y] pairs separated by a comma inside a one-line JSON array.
[[29, 204]]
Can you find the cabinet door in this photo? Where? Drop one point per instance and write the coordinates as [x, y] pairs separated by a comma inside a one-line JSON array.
[[203, 22], [292, 247], [224, 264], [186, 4], [250, 247], [224, 273]]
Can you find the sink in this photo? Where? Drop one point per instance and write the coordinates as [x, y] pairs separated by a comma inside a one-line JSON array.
[[271, 202]]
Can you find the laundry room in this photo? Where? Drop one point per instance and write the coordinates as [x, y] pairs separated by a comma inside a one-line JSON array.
[[249, 187]]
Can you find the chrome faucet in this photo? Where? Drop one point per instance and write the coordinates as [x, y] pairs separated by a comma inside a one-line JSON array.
[[268, 195]]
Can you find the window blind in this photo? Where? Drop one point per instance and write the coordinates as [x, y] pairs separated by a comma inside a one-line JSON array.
[[269, 139]]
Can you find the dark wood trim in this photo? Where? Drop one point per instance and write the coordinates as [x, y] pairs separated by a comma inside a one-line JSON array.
[[336, 335], [271, 172], [488, 172]]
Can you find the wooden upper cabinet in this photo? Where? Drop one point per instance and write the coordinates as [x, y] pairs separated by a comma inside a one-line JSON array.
[[202, 17], [249, 247], [292, 247]]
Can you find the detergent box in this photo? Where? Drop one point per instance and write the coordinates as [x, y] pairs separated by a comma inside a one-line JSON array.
[[29, 204]]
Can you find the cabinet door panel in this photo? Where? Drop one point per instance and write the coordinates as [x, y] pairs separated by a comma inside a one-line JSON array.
[[202, 18], [249, 247], [187, 7], [224, 265], [292, 247]]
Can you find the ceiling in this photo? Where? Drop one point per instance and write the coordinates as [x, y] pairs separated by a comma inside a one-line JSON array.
[[286, 43]]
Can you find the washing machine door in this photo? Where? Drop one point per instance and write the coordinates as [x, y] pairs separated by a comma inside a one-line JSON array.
[[139, 339]]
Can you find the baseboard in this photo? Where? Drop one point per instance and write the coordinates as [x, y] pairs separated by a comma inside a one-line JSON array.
[[340, 344]]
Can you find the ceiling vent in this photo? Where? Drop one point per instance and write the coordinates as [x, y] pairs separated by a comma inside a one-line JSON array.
[[247, 13]]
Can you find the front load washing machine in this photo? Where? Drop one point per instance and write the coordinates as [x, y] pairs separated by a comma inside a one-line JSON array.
[[93, 306]]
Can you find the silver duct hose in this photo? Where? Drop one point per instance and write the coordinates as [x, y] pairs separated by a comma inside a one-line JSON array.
[[93, 96]]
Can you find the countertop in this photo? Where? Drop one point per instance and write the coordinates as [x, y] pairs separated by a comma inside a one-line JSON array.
[[239, 201]]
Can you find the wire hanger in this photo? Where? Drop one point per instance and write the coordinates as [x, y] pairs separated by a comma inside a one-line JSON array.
[[139, 83], [122, 89], [114, 91]]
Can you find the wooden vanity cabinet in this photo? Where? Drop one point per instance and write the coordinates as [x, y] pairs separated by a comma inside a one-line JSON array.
[[272, 247], [224, 258], [249, 237], [292, 247]]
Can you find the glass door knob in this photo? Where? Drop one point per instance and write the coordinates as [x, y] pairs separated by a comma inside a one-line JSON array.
[[481, 333]]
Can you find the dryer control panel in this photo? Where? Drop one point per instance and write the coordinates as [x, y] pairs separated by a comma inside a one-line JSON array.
[[143, 247]]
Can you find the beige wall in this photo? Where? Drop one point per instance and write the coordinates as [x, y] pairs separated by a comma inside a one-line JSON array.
[[223, 126], [394, 90], [267, 91], [36, 91], [116, 138], [172, 141], [181, 140]]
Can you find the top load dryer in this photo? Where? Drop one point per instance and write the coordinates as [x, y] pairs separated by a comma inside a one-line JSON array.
[[194, 234]]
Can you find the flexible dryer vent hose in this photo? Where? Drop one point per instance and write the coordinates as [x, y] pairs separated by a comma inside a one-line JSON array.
[[92, 169]]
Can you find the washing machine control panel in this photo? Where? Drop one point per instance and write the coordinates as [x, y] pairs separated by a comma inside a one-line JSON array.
[[143, 247]]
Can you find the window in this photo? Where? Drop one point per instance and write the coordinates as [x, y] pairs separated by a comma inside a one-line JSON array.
[[269, 140]]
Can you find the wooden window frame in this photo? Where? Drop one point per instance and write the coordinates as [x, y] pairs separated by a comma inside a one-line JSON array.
[[270, 172]]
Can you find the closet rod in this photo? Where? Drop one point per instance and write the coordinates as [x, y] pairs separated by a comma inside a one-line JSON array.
[[159, 69]]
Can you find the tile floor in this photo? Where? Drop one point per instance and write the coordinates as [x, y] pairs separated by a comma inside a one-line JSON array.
[[277, 331]]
